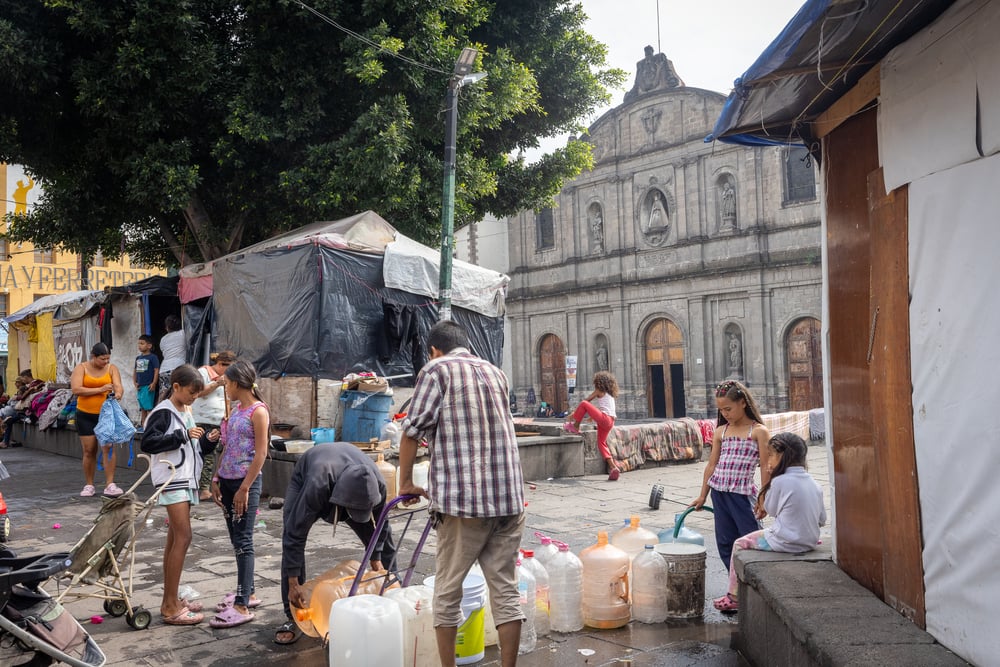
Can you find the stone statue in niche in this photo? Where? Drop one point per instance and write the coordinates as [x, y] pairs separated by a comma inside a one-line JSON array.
[[735, 356], [654, 219], [596, 228], [728, 205], [654, 72], [602, 356], [651, 123]]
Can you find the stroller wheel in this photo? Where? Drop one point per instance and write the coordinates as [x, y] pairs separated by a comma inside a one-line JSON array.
[[140, 620], [115, 607]]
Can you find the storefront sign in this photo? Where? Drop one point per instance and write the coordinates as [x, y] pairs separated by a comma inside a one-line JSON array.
[[41, 278]]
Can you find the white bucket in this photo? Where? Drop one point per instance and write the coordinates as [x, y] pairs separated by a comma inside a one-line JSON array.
[[685, 578], [419, 640], [366, 631], [470, 644]]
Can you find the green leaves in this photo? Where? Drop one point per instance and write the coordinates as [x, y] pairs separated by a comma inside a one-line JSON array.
[[260, 116]]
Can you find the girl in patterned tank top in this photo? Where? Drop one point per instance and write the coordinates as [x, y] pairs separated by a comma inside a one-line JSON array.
[[737, 449], [236, 486]]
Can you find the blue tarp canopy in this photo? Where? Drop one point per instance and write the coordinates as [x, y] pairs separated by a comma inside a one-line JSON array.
[[822, 52]]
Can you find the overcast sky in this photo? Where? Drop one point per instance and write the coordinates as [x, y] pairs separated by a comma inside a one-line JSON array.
[[710, 42]]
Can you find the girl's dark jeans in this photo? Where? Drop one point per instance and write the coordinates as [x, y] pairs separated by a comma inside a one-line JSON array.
[[241, 534]]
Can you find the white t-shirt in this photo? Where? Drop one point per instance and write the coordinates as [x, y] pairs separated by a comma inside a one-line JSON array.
[[606, 404], [795, 501], [173, 347], [209, 409]]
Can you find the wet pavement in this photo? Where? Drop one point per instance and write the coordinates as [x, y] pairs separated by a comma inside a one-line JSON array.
[[42, 493]]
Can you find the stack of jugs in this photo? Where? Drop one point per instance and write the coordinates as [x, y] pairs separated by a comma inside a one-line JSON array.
[[605, 585], [547, 551], [565, 590], [416, 607], [541, 576], [649, 587], [526, 594], [388, 472]]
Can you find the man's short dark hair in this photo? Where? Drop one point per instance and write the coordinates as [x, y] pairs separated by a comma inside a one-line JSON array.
[[146, 338], [446, 336]]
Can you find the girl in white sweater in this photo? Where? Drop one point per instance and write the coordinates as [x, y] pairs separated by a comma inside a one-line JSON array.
[[795, 501]]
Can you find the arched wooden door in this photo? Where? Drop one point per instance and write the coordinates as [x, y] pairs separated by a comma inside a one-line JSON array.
[[805, 365], [553, 361], [665, 369]]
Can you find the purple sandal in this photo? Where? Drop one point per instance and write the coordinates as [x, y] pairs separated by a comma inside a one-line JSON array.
[[230, 618]]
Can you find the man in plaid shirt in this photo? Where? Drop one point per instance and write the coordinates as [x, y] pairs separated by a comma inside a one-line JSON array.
[[475, 487]]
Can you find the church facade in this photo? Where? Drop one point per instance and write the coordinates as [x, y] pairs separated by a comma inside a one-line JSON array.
[[674, 264]]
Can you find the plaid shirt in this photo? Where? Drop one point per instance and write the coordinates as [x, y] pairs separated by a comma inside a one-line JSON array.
[[460, 408], [738, 459]]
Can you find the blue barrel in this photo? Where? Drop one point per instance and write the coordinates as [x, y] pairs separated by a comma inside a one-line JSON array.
[[365, 413]]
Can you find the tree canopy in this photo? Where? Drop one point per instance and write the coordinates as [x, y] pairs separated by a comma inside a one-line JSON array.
[[180, 130]]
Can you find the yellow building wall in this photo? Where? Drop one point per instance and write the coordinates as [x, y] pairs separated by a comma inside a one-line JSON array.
[[26, 276]]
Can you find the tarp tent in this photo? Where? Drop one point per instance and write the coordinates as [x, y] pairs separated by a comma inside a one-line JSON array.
[[342, 296]]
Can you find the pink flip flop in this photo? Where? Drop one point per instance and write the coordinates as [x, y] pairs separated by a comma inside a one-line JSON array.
[[230, 618], [229, 599]]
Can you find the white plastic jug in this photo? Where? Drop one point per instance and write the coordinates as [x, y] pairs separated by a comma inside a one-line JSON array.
[[366, 631], [419, 641], [526, 594], [605, 585], [545, 553], [565, 591], [421, 476], [633, 538], [538, 571], [649, 587]]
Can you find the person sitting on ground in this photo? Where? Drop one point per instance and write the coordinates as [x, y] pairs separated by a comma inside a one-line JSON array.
[[332, 481]]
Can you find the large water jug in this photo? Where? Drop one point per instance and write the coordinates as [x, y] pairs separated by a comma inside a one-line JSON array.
[[633, 538], [545, 553], [367, 632], [605, 585], [313, 619], [649, 587], [565, 591], [419, 641], [541, 592], [388, 472], [681, 533], [526, 595]]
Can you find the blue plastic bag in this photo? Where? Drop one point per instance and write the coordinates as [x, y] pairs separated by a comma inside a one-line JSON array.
[[113, 425]]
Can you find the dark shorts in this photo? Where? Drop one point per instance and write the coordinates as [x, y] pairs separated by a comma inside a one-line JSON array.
[[85, 423]]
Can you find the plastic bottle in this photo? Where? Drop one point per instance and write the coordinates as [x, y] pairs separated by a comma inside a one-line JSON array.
[[547, 551], [526, 593], [541, 576], [605, 585], [649, 587], [393, 430], [421, 476], [565, 590], [417, 610], [685, 534], [633, 538], [388, 472]]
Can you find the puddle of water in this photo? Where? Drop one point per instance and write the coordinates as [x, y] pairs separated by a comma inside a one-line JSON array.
[[698, 630]]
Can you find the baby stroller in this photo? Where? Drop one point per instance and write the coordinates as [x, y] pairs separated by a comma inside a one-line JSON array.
[[34, 627], [107, 549]]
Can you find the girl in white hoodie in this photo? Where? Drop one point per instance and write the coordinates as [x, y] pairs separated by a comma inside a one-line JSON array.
[[795, 501], [176, 444]]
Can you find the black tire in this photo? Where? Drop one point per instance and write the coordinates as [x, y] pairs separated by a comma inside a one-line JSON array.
[[140, 620], [117, 607], [655, 496], [4, 528]]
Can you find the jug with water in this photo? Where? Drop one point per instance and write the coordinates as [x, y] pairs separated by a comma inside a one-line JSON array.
[[565, 590], [605, 585], [541, 576], [417, 611], [680, 533], [633, 538], [548, 549], [313, 619], [649, 587], [367, 632], [526, 594]]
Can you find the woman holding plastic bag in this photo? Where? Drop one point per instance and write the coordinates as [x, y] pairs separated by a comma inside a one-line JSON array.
[[92, 382]]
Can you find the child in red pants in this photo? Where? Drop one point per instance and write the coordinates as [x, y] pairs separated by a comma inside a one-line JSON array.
[[600, 406]]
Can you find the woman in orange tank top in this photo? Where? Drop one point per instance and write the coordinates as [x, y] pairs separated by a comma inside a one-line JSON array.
[[92, 382]]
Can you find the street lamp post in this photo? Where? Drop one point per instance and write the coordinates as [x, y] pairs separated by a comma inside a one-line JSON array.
[[461, 77]]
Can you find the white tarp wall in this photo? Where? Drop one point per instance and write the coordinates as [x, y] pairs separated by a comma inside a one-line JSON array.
[[928, 138], [126, 327]]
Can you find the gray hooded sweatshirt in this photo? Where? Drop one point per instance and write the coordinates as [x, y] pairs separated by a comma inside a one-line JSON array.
[[333, 481]]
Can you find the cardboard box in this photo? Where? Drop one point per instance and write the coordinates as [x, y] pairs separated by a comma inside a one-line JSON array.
[[368, 384], [373, 445]]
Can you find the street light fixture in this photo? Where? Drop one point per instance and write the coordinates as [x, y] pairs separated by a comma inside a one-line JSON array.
[[461, 77]]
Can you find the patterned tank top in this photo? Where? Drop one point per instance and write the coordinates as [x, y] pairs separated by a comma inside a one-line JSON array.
[[238, 441], [738, 459]]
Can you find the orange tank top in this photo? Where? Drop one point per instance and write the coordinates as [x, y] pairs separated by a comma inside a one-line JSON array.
[[92, 404]]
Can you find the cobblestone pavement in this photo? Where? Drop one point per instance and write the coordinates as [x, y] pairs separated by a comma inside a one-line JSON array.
[[42, 493]]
